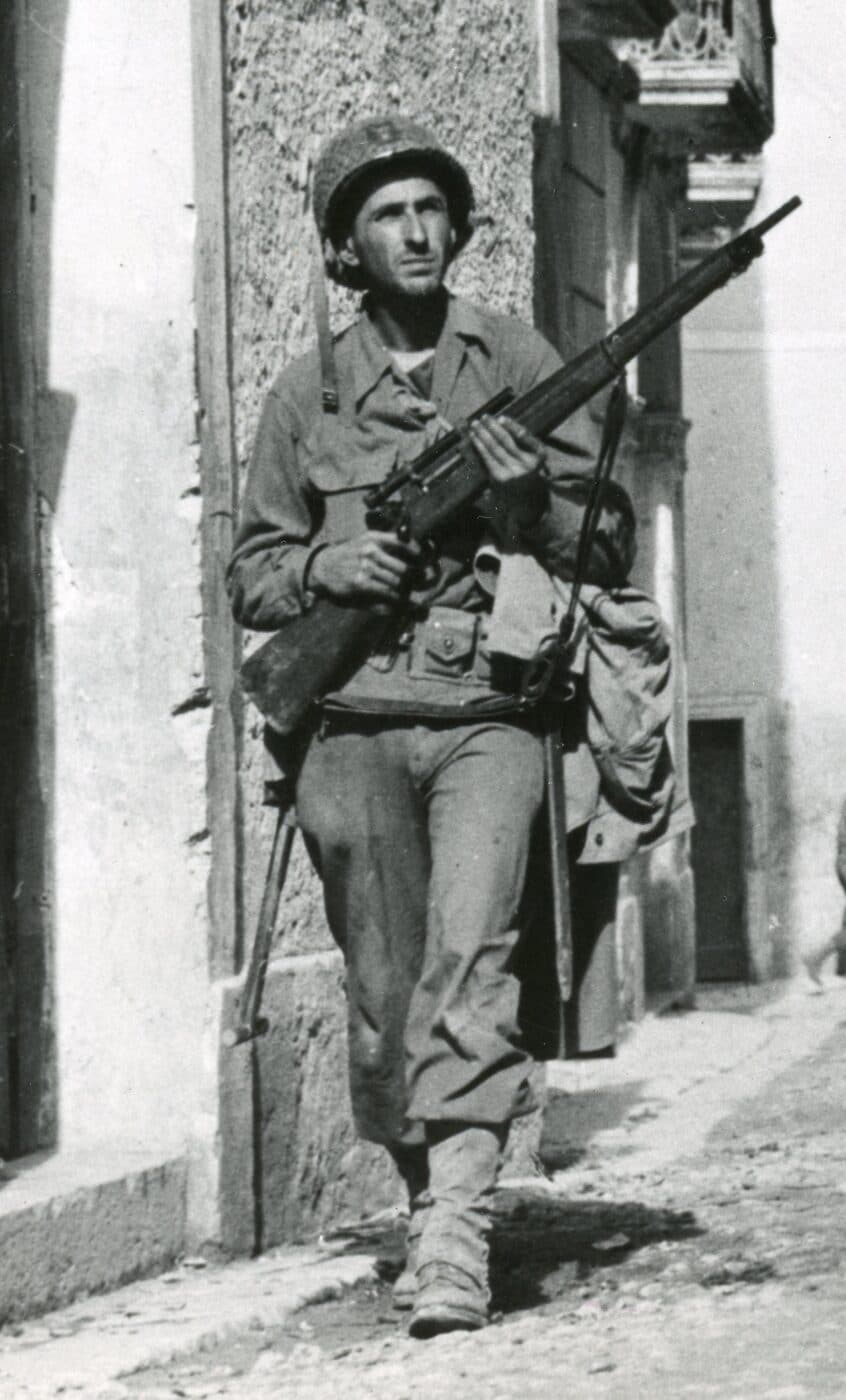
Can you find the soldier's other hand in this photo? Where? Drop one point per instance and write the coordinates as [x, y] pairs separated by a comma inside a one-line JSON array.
[[507, 449], [373, 566]]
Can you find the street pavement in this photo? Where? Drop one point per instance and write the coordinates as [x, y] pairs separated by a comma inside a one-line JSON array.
[[689, 1245]]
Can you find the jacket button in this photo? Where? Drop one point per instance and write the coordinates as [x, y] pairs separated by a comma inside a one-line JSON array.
[[448, 644], [599, 838]]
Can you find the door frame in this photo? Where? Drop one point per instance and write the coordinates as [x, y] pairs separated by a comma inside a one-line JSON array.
[[26, 879], [751, 711]]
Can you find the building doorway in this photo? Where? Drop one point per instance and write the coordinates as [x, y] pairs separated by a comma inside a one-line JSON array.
[[717, 791]]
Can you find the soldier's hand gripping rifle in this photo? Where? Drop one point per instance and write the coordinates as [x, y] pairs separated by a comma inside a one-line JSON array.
[[317, 651]]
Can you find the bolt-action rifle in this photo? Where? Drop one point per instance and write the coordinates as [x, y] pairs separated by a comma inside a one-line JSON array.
[[319, 650]]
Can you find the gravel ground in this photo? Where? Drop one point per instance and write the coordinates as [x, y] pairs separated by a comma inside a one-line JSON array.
[[718, 1274]]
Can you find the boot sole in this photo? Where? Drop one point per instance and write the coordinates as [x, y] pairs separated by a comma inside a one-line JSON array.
[[434, 1321]]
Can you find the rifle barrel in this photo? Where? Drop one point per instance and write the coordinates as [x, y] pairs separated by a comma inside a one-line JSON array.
[[776, 217]]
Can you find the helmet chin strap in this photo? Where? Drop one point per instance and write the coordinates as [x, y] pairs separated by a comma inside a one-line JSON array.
[[325, 348]]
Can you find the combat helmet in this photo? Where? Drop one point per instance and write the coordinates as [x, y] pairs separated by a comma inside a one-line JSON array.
[[346, 160]]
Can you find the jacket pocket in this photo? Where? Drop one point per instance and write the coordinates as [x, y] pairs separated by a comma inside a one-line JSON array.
[[336, 457], [340, 491], [445, 645]]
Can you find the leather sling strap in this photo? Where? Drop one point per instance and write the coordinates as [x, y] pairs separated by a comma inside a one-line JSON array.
[[325, 348]]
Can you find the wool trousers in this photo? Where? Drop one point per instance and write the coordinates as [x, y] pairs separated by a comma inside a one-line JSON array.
[[420, 833]]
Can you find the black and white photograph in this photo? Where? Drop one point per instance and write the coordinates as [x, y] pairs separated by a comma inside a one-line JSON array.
[[422, 699]]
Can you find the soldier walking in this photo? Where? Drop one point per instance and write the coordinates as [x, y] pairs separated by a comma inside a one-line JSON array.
[[419, 784]]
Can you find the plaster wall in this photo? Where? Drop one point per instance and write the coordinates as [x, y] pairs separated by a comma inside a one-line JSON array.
[[764, 363], [118, 490]]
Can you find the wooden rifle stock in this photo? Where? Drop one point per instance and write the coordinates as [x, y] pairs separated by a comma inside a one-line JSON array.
[[319, 650]]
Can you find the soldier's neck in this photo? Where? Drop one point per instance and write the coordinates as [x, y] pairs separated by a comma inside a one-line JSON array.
[[408, 323]]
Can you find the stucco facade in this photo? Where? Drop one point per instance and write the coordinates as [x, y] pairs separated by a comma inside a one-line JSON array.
[[107, 267]]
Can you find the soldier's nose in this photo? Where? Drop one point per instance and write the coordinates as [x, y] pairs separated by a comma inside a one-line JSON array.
[[415, 231]]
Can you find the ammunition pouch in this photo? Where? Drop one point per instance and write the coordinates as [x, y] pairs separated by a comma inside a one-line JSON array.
[[438, 665]]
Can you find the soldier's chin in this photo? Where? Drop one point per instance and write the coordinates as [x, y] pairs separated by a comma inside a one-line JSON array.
[[423, 283]]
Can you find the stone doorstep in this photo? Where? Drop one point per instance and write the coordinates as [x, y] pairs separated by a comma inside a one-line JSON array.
[[153, 1322], [82, 1221]]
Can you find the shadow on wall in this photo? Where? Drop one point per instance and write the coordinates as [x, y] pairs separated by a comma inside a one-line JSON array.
[[36, 429]]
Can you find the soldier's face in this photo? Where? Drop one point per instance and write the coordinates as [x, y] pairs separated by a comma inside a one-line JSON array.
[[402, 237]]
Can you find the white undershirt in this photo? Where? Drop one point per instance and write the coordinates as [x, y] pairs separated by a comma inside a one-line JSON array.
[[407, 360]]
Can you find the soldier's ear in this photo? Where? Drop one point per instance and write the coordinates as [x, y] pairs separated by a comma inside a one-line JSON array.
[[347, 254]]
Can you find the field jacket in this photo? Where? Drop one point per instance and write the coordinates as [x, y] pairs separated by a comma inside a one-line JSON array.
[[306, 486]]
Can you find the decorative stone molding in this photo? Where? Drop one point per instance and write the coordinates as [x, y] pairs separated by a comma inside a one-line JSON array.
[[730, 181], [694, 71], [721, 194], [707, 77], [696, 35]]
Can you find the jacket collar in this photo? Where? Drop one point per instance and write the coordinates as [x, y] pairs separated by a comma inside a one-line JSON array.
[[464, 324]]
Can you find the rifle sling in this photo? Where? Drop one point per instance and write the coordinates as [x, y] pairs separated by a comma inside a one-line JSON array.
[[325, 348]]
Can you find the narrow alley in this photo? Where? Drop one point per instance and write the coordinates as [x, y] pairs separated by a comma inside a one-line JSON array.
[[694, 1248]]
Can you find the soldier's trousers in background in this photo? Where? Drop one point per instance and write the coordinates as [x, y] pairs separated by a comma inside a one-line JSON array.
[[420, 834]]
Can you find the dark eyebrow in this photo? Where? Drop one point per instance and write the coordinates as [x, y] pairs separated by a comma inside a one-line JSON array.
[[390, 209], [397, 207]]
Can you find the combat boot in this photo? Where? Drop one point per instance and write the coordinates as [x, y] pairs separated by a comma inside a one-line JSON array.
[[453, 1293], [412, 1165]]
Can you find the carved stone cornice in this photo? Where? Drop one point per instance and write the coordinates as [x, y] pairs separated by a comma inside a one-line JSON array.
[[707, 78], [693, 71], [720, 195]]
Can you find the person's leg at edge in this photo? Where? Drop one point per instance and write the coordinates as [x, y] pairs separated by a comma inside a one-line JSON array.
[[814, 959]]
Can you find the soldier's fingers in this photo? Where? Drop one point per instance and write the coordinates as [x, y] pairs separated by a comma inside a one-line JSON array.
[[514, 439], [521, 436], [408, 550], [384, 542], [485, 435], [497, 457], [388, 565]]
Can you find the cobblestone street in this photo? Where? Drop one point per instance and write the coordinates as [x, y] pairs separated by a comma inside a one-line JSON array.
[[712, 1267]]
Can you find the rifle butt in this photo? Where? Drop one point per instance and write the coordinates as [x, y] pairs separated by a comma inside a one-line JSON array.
[[312, 654]]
